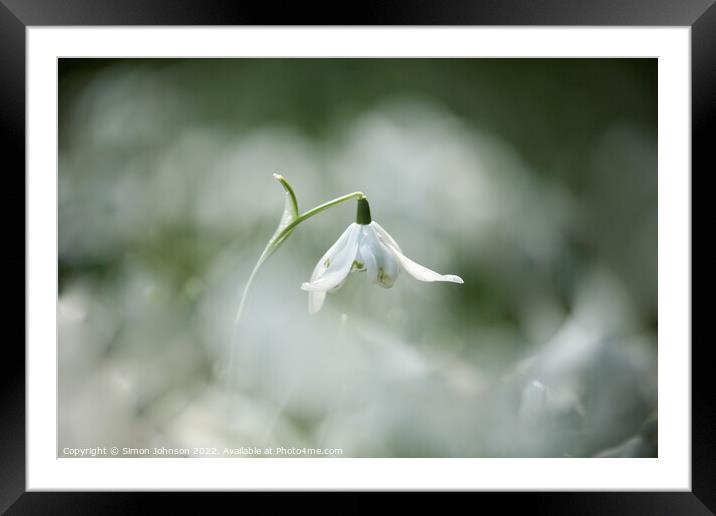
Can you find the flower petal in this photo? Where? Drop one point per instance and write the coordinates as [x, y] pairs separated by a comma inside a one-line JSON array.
[[315, 301], [385, 236], [366, 254], [339, 264], [388, 268], [327, 258], [385, 267], [420, 272]]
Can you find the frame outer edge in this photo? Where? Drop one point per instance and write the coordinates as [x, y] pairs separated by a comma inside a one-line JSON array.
[[12, 136], [703, 127]]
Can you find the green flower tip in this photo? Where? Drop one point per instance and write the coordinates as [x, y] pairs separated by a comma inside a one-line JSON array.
[[363, 211]]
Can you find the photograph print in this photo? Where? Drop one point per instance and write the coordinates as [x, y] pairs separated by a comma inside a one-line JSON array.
[[339, 258]]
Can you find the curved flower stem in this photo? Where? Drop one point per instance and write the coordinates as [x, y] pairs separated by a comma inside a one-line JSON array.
[[318, 209], [245, 293], [289, 221]]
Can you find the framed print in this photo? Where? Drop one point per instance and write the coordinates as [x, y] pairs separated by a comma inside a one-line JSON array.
[[440, 250]]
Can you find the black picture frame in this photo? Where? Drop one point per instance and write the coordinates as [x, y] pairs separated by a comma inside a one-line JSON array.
[[17, 15]]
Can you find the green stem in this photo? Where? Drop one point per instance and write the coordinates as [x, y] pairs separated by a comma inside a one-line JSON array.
[[318, 209], [245, 293]]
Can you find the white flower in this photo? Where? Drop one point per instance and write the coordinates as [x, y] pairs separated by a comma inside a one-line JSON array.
[[364, 247]]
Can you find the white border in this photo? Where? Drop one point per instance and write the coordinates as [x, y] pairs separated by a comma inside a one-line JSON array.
[[670, 471]]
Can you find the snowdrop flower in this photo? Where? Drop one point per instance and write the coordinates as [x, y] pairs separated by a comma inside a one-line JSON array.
[[364, 246]]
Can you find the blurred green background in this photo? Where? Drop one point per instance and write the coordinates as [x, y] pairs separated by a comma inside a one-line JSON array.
[[533, 179]]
